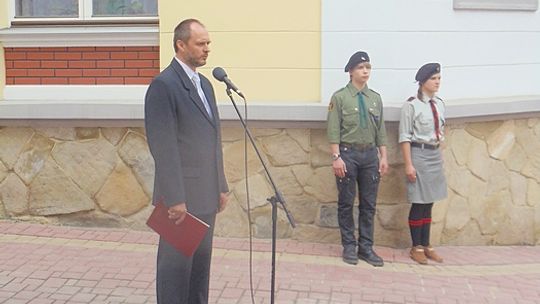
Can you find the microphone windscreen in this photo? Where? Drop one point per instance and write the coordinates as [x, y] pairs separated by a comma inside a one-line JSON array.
[[219, 74]]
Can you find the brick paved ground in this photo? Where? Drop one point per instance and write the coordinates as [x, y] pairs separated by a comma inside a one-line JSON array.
[[54, 265]]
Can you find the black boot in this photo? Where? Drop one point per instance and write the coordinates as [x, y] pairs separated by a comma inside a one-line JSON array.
[[371, 258], [349, 255]]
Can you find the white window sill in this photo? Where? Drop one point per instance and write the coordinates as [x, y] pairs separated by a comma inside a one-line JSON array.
[[73, 36]]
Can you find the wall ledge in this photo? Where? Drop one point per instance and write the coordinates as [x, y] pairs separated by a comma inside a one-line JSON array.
[[125, 103]]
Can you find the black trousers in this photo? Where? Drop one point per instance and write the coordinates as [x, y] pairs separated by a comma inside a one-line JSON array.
[[181, 279], [362, 172]]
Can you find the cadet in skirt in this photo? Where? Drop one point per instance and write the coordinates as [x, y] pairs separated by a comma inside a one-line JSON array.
[[421, 130]]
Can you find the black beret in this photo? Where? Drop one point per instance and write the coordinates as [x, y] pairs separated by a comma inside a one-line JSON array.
[[355, 59], [426, 71]]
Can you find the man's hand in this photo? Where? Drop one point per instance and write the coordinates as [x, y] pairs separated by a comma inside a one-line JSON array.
[[383, 166], [383, 161], [223, 200], [410, 172], [178, 213], [339, 167]]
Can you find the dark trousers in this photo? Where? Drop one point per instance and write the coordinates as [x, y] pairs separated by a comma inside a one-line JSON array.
[[362, 171], [181, 279]]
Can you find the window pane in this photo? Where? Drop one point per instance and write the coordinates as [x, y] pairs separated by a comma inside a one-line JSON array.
[[46, 8], [129, 8]]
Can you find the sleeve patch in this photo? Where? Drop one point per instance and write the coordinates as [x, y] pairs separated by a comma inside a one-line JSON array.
[[331, 106]]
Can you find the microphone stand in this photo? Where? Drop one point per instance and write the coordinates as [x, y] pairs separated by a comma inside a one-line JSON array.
[[274, 200]]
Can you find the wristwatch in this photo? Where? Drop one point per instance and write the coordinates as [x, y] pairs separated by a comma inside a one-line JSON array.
[[335, 156]]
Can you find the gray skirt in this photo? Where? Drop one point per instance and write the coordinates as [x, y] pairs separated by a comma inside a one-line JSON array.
[[430, 185]]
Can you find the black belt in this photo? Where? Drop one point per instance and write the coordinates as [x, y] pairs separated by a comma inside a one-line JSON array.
[[424, 146], [358, 147]]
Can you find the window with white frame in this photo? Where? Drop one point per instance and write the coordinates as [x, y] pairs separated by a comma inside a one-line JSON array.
[[85, 10]]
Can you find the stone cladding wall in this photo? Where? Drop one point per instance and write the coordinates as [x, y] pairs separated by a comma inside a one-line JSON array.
[[103, 177]]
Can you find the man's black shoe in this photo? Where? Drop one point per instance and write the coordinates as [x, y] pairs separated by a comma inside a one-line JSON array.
[[371, 258], [349, 255]]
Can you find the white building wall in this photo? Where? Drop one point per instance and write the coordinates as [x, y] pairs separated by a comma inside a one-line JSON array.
[[483, 53]]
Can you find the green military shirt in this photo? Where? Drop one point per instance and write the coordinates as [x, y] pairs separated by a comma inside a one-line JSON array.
[[344, 117]]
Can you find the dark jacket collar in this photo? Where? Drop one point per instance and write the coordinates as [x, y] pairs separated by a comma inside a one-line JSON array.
[[193, 94]]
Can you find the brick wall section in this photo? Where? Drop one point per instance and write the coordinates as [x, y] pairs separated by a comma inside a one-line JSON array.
[[81, 65]]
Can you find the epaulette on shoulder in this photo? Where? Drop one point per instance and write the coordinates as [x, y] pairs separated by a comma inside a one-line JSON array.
[[339, 91], [411, 98], [375, 92]]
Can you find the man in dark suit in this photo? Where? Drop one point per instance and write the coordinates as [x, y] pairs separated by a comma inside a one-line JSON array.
[[183, 131]]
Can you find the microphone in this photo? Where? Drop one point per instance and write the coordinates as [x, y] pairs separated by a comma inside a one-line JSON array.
[[221, 75]]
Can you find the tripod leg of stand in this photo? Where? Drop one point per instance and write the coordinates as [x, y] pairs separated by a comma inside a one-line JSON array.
[[274, 236]]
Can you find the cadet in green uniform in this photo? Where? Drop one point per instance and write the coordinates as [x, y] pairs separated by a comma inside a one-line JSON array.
[[357, 137]]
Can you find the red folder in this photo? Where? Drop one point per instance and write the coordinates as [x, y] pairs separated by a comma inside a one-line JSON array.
[[185, 237]]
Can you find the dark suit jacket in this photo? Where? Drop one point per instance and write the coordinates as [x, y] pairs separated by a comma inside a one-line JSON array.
[[184, 141]]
